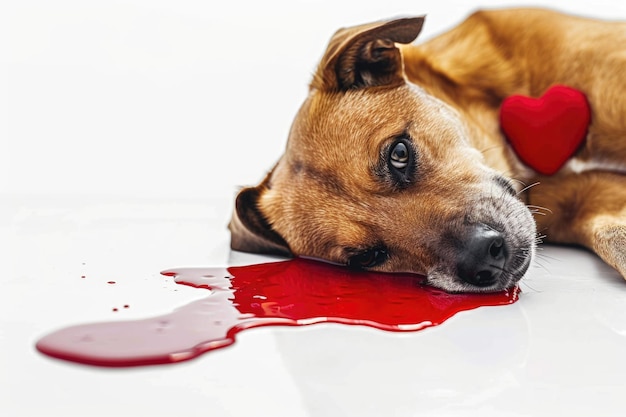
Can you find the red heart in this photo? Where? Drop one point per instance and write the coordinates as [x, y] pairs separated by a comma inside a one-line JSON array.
[[547, 131]]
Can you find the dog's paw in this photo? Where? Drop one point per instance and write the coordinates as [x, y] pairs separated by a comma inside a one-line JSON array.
[[610, 244]]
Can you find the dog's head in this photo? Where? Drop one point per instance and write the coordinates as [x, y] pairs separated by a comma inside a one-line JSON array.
[[377, 174]]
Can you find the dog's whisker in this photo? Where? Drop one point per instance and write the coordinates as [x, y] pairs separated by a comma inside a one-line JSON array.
[[526, 284], [527, 187], [509, 175], [531, 206], [539, 263], [543, 256], [492, 148]]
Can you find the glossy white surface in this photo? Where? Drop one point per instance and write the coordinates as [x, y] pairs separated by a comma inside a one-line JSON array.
[[128, 127]]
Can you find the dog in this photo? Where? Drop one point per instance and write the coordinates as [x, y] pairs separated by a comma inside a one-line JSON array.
[[397, 162]]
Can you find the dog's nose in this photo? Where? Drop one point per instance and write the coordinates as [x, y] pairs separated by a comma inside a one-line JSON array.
[[482, 257]]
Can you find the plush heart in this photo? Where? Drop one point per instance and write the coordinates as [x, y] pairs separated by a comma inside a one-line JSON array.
[[547, 131]]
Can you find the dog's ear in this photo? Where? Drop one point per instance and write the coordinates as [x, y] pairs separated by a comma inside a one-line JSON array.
[[249, 229], [366, 55]]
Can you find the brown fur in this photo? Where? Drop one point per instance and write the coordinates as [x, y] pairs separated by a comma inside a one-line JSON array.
[[331, 195]]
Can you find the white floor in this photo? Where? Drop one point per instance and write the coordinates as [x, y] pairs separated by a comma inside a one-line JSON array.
[[126, 130]]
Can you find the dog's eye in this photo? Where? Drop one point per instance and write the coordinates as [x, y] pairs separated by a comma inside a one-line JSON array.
[[368, 258], [399, 156], [400, 161]]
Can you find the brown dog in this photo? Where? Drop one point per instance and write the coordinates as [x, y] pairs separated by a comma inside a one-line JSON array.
[[396, 160]]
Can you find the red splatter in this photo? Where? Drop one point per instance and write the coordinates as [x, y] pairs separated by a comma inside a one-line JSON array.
[[291, 293]]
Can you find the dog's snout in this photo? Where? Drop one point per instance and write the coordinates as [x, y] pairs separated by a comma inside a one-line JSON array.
[[482, 257]]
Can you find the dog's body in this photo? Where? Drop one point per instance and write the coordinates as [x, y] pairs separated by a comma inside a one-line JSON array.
[[397, 162]]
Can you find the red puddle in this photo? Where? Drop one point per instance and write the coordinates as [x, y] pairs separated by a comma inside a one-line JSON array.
[[293, 293]]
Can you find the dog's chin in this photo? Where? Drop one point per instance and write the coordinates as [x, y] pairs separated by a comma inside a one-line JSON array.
[[453, 284]]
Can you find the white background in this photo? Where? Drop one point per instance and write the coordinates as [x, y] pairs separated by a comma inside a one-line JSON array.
[[126, 128]]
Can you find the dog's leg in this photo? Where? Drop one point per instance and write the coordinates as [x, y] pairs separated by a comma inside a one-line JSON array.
[[609, 241], [586, 209]]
